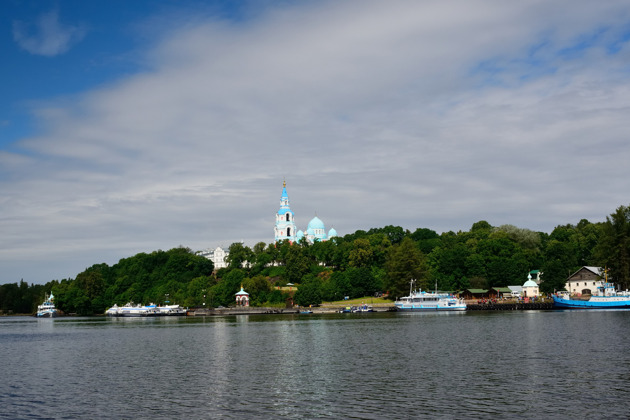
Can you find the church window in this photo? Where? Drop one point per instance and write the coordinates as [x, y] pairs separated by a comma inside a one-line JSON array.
[[288, 217], [288, 231]]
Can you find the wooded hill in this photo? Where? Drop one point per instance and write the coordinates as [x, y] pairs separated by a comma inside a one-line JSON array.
[[358, 264]]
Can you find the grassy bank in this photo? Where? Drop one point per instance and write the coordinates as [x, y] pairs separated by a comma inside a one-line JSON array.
[[359, 301]]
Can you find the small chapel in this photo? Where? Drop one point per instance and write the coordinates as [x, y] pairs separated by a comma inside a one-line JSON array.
[[242, 298], [286, 229]]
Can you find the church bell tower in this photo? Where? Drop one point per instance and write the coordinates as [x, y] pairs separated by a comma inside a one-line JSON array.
[[285, 223]]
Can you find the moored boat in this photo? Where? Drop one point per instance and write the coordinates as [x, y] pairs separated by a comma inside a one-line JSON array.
[[362, 308], [47, 309], [606, 297], [131, 310], [170, 310], [419, 301]]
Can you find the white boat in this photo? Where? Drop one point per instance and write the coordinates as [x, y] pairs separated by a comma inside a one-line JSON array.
[[131, 310], [170, 310], [362, 308], [47, 309], [419, 300]]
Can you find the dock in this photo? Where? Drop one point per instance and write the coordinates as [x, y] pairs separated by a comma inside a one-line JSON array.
[[509, 306], [329, 309]]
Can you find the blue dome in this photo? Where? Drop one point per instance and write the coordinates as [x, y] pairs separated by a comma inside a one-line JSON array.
[[310, 231], [332, 232], [316, 223], [300, 234]]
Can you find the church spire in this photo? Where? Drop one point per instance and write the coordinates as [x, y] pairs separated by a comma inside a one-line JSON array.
[[285, 223]]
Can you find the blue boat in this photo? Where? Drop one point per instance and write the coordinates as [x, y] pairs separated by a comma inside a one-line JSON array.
[[605, 298]]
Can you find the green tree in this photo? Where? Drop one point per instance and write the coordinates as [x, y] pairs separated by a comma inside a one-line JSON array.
[[426, 239], [309, 292], [395, 234], [361, 253], [614, 246], [296, 264], [405, 262], [239, 255]]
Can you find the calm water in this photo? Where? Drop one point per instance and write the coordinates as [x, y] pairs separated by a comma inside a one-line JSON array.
[[517, 364]]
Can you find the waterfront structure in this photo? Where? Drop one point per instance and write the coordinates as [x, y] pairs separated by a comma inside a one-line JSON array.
[[242, 298], [285, 228], [530, 288], [585, 281], [470, 294], [499, 293], [217, 256]]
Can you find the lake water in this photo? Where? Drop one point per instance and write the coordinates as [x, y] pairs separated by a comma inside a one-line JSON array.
[[517, 364]]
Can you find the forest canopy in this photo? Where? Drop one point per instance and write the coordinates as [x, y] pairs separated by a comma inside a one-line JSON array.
[[364, 263]]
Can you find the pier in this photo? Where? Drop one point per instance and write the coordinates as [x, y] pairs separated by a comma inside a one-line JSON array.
[[508, 306]]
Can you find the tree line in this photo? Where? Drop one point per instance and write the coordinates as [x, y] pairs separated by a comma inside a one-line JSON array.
[[360, 264]]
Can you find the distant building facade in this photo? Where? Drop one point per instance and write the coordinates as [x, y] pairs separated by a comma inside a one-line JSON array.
[[217, 256], [585, 281]]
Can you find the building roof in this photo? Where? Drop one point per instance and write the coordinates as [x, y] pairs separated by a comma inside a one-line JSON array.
[[530, 283], [598, 271], [502, 289], [475, 291], [316, 223]]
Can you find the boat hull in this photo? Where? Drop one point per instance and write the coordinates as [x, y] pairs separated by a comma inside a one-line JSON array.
[[562, 303], [430, 309]]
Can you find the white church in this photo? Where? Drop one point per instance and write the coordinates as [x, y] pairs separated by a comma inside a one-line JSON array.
[[285, 228]]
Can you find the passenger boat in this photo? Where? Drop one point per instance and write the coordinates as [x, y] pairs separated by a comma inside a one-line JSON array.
[[170, 310], [47, 309], [131, 310], [419, 301], [606, 297]]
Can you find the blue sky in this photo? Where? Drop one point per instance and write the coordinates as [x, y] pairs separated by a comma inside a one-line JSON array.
[[60, 48], [131, 126]]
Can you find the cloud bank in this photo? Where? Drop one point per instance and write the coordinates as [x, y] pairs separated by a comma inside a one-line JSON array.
[[418, 114]]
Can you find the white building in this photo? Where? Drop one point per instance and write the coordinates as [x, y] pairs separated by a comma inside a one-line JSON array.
[[530, 288], [585, 281], [217, 256]]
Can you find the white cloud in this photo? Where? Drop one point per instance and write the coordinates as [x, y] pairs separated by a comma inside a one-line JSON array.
[[47, 37], [375, 114]]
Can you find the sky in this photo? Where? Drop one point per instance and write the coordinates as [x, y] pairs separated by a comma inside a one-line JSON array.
[[133, 126]]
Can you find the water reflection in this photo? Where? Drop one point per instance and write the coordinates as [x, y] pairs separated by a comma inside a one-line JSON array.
[[485, 364]]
